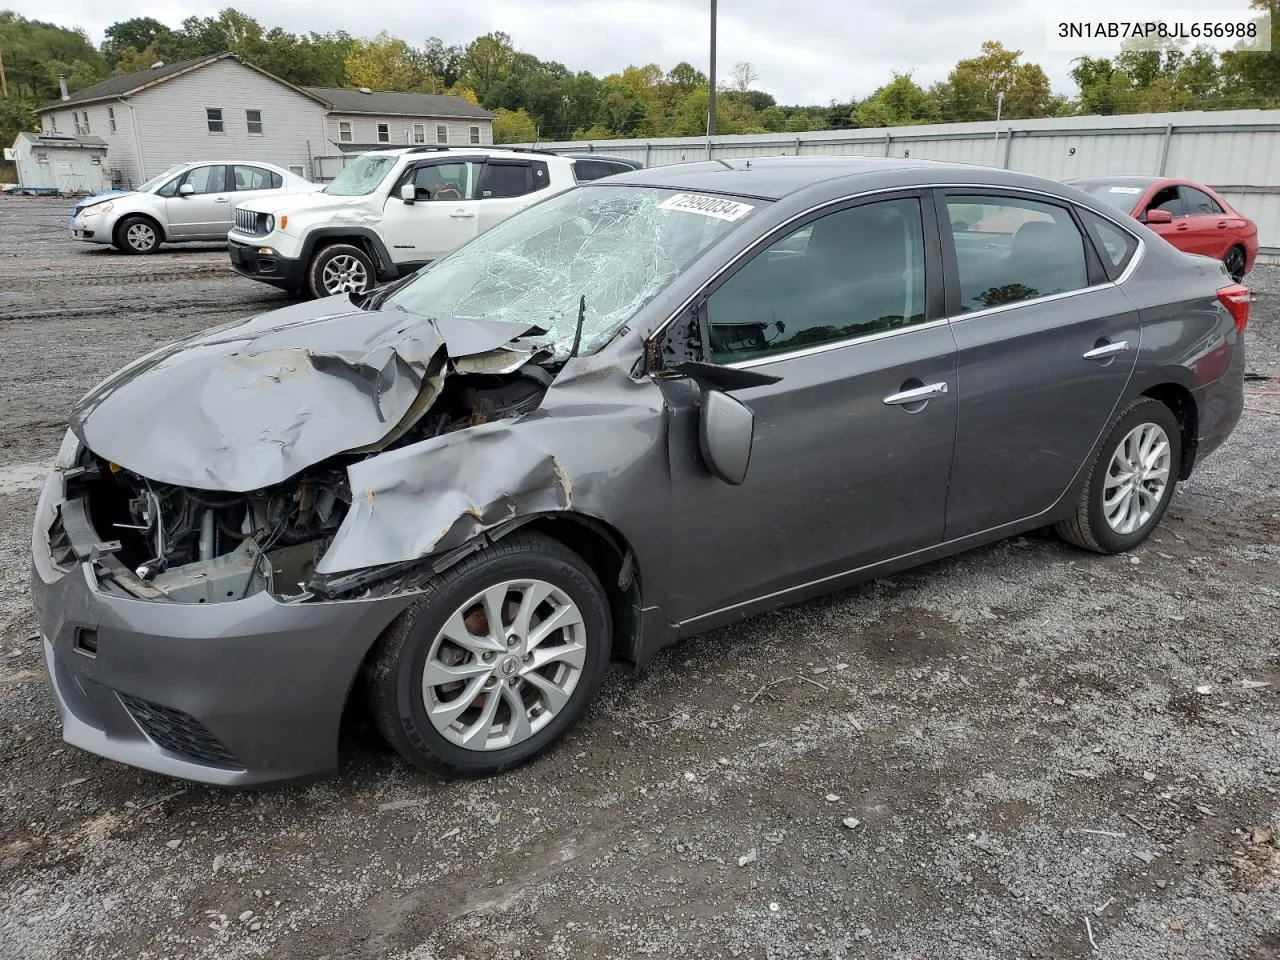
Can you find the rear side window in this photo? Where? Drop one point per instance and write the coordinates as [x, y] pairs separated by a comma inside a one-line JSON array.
[[256, 178], [1009, 249], [1199, 203], [1116, 247], [505, 180], [586, 170]]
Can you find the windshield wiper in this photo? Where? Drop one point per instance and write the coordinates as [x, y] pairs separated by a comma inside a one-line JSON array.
[[577, 332]]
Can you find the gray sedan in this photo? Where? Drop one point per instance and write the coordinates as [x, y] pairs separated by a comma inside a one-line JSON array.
[[634, 412]]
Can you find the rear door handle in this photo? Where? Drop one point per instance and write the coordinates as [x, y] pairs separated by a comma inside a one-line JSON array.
[[461, 215], [1222, 224], [1107, 350], [916, 394]]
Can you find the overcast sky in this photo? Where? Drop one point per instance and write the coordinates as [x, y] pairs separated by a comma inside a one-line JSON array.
[[805, 51]]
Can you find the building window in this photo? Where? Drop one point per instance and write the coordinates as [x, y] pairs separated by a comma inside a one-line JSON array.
[[344, 131], [384, 133], [214, 117], [298, 171], [419, 133], [442, 133], [96, 160], [475, 134], [42, 158], [111, 118], [253, 119], [81, 121]]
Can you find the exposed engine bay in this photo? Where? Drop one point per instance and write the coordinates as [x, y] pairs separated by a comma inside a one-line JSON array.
[[198, 546]]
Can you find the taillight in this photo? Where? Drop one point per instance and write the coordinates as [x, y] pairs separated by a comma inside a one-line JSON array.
[[1236, 299]]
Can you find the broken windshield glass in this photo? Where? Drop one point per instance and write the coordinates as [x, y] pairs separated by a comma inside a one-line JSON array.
[[360, 177], [616, 246]]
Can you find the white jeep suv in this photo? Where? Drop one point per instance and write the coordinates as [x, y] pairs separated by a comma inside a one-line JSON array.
[[388, 213]]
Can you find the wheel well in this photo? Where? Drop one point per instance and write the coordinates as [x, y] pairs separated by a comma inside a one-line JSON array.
[[117, 236], [1183, 405], [362, 243], [605, 551]]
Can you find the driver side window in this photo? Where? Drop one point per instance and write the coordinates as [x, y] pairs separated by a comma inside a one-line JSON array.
[[445, 181], [845, 275], [1168, 199], [212, 179]]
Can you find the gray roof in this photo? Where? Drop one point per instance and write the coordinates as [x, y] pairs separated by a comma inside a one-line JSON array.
[[127, 83], [390, 104], [66, 142], [772, 178]]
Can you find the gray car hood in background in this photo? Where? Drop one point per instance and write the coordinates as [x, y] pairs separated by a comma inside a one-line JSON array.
[[249, 404]]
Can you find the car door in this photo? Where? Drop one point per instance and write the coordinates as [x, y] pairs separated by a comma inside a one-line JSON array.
[[1168, 198], [1046, 343], [442, 216], [1207, 225], [853, 444], [507, 187], [206, 213]]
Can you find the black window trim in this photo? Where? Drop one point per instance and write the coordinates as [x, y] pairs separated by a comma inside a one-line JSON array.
[[933, 276], [505, 162], [1096, 273], [1182, 187], [1113, 271], [406, 175], [653, 339]]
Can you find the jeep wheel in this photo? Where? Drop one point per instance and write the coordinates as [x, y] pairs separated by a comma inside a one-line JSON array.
[[340, 268]]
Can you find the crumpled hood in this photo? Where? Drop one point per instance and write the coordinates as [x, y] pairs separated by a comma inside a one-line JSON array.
[[250, 403], [302, 201]]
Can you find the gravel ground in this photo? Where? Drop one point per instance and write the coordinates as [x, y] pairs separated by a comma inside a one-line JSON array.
[[1020, 752]]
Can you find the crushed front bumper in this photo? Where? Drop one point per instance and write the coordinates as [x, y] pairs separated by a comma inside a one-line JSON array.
[[237, 693]]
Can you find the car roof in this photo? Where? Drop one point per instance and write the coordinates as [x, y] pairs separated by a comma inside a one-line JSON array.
[[428, 150], [1130, 181], [773, 178]]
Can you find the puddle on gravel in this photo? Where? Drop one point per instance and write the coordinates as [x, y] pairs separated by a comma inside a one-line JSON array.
[[16, 477]]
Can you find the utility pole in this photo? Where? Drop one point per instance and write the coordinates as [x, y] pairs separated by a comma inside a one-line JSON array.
[[999, 105], [711, 102], [4, 84]]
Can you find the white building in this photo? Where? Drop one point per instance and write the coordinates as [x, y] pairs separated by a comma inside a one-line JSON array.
[[221, 106], [68, 164]]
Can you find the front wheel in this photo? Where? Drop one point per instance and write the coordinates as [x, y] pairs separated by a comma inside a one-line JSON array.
[[340, 268], [1131, 483], [138, 235], [495, 662]]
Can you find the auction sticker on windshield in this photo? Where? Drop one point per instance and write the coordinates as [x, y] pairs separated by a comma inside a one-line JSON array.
[[717, 207], [1125, 190]]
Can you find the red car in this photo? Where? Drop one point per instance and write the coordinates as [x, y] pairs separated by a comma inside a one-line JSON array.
[[1187, 214]]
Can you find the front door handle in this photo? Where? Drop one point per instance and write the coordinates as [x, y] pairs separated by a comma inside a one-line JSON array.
[[1107, 350], [916, 394], [220, 200], [461, 215], [1222, 224]]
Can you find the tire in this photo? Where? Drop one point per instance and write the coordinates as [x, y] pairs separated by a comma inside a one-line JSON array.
[[1233, 260], [1090, 527], [400, 686], [138, 235], [340, 268]]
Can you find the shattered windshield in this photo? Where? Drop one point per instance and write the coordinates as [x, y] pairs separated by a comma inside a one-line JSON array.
[[360, 177], [616, 246], [161, 178]]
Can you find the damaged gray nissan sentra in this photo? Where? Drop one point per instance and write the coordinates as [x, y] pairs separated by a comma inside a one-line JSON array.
[[633, 412]]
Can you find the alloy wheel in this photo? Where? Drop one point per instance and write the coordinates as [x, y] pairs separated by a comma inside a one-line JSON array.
[[1234, 261], [344, 274], [140, 236], [504, 664], [1137, 478]]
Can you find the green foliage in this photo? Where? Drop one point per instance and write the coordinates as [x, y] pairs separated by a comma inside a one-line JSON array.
[[534, 98]]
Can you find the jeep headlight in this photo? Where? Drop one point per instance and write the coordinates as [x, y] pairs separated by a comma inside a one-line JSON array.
[[270, 221], [96, 209]]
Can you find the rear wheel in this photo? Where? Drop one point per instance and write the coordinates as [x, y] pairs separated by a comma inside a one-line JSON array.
[[495, 662], [138, 235], [340, 268], [1234, 262], [1131, 482]]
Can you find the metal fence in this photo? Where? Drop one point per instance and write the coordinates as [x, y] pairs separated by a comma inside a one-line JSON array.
[[1237, 152]]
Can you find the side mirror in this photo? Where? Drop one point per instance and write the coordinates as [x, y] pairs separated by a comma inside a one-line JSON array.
[[726, 427], [408, 193], [1158, 216], [186, 190]]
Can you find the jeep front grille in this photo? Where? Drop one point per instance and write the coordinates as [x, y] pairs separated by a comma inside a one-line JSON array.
[[251, 222]]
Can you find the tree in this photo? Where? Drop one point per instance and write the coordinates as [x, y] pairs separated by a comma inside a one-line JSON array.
[[513, 126], [898, 103], [1253, 76], [743, 76], [484, 60], [387, 63], [442, 61], [139, 33], [974, 87]]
